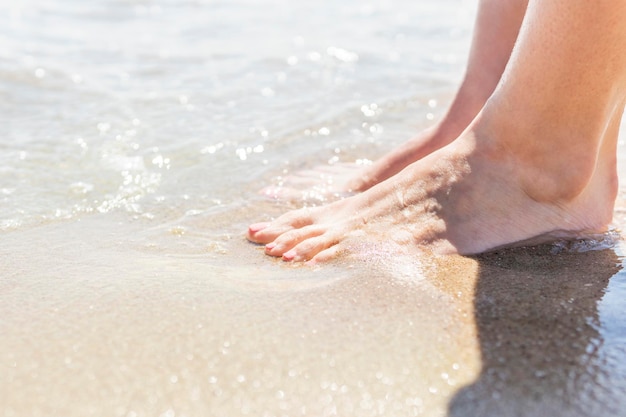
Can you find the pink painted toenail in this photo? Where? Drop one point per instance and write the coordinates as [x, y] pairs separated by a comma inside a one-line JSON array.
[[257, 227], [270, 246], [288, 256]]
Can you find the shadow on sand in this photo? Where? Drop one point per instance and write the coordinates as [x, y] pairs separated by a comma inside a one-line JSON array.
[[540, 336]]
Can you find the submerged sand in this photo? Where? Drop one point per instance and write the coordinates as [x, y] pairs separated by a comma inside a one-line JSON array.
[[93, 324]]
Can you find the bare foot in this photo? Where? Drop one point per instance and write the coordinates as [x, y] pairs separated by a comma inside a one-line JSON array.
[[537, 163], [468, 197]]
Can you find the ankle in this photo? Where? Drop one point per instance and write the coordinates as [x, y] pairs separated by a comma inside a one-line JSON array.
[[550, 164]]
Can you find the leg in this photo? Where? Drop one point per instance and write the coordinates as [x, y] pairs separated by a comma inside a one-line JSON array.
[[537, 163], [496, 29]]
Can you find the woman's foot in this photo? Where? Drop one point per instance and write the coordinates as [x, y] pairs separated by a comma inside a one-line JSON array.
[[468, 197], [537, 163]]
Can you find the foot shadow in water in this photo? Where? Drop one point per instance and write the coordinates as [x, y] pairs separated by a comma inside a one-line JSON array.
[[541, 337]]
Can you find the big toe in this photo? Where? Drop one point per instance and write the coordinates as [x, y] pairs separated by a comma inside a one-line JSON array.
[[266, 232], [254, 229]]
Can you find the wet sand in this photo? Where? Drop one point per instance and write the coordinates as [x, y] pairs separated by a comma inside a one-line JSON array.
[[95, 325]]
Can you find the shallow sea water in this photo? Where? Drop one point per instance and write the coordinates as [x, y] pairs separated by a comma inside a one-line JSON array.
[[134, 137]]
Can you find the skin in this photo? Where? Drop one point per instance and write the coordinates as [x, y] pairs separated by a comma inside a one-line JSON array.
[[537, 162]]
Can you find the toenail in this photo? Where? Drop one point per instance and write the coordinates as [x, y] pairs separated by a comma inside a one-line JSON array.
[[270, 246], [257, 227], [288, 256]]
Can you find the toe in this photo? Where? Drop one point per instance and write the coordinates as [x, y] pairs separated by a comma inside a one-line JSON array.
[[325, 255], [257, 227], [267, 232], [255, 232], [308, 248], [288, 240]]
